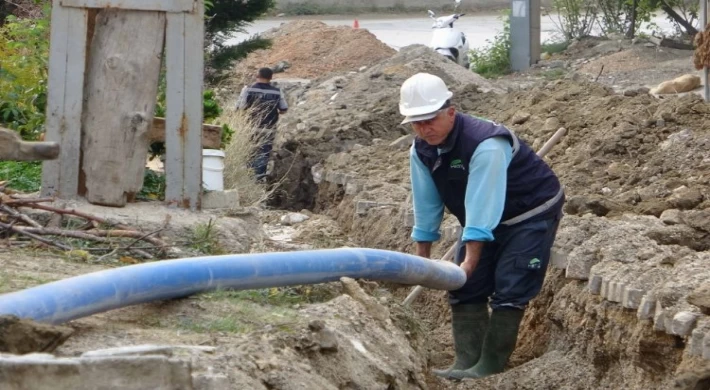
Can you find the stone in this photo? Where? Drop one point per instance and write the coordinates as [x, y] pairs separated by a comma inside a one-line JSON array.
[[632, 298], [706, 346], [551, 124], [630, 92], [698, 219], [107, 373], [301, 126], [362, 206], [318, 173], [520, 117], [698, 335], [228, 199], [700, 297], [595, 284], [281, 66], [647, 308], [327, 340], [685, 198], [558, 259], [353, 187], [21, 336], [409, 219], [683, 323], [293, 219], [672, 217], [211, 382]]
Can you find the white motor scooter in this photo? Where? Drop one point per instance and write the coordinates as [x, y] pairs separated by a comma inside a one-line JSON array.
[[447, 40]]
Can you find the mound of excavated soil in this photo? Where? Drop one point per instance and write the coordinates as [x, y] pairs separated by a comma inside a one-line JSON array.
[[315, 49], [339, 113], [621, 154]]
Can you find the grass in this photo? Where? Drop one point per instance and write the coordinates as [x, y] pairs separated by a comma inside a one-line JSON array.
[[553, 74], [238, 153], [555, 47], [22, 176], [205, 241]]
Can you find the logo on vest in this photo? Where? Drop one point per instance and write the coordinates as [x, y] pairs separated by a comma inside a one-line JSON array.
[[535, 263], [456, 164]]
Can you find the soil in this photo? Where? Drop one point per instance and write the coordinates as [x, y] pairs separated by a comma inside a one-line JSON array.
[[336, 48]]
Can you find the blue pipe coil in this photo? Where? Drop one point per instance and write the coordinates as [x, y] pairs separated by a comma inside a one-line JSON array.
[[84, 295]]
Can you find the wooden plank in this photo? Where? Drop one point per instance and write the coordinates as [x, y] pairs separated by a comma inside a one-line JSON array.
[[194, 76], [184, 60], [60, 177], [121, 90], [211, 134], [138, 5], [175, 102]]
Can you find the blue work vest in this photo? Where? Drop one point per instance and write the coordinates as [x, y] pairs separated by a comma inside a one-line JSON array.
[[265, 98], [532, 192]]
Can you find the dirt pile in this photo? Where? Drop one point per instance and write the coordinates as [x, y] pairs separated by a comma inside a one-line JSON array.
[[314, 49], [348, 111]]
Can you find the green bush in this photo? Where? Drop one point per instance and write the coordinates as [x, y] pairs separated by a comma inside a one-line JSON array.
[[494, 59], [24, 55], [22, 176]]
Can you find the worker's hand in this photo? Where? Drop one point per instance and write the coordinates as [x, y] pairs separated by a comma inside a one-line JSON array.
[[468, 266]]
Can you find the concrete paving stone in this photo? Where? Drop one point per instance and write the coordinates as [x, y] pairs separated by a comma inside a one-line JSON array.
[[148, 349], [227, 199], [578, 266], [558, 259], [632, 298], [595, 284], [95, 373], [683, 323], [647, 308], [697, 336], [659, 319]]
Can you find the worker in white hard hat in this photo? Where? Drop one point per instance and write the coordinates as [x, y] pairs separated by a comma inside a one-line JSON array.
[[509, 204]]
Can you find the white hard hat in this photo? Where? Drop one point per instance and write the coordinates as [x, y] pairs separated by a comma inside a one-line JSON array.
[[422, 96]]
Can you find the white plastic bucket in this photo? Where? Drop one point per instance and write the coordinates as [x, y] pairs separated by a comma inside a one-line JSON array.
[[212, 170]]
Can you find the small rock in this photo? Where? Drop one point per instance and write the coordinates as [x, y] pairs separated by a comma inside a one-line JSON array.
[[630, 92], [545, 56], [281, 66], [293, 218], [606, 191], [672, 217], [301, 126], [701, 298], [685, 198], [520, 117], [649, 44], [327, 341], [316, 325], [362, 69], [698, 219], [551, 124]]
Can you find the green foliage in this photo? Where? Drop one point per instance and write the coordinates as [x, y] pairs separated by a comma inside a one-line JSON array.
[[615, 15], [222, 55], [575, 18], [205, 241], [22, 176], [494, 59], [555, 47], [24, 54], [224, 18], [153, 186]]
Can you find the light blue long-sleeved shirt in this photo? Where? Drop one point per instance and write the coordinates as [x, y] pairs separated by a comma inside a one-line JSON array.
[[485, 193]]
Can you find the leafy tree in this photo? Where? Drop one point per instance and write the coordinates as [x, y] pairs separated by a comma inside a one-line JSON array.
[[223, 19]]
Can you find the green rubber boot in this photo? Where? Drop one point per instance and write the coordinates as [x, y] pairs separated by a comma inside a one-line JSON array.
[[498, 346], [469, 323]]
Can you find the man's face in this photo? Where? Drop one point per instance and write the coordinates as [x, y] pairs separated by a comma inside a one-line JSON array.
[[435, 130]]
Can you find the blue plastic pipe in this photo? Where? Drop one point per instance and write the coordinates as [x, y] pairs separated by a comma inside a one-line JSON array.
[[84, 295]]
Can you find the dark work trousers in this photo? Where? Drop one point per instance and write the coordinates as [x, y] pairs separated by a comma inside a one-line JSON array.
[[512, 267], [260, 160]]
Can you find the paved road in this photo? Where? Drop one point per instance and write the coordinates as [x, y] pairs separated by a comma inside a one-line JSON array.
[[399, 31]]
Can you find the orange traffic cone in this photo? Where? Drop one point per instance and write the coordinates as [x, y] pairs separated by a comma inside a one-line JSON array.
[[356, 24]]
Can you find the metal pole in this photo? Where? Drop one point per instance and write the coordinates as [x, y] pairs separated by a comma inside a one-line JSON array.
[[703, 23]]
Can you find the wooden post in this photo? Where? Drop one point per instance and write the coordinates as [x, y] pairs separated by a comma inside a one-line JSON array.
[[60, 177], [121, 90], [183, 128], [703, 25]]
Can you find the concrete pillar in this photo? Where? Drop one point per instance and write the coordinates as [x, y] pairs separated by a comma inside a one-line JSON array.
[[524, 34]]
